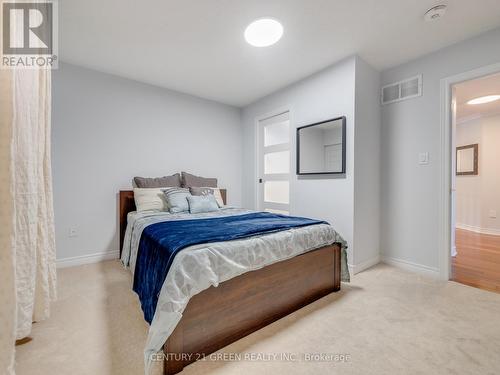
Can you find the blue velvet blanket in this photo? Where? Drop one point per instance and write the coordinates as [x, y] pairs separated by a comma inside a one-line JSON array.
[[160, 243]]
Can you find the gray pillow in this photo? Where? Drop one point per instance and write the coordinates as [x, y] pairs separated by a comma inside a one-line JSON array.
[[176, 199], [158, 182], [189, 180], [202, 203]]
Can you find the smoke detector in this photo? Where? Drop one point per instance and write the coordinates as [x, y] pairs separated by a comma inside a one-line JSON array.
[[435, 13]]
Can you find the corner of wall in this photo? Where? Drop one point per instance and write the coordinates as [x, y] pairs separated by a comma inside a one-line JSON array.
[[367, 166]]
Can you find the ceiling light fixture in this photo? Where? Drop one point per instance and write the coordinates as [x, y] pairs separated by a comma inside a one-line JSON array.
[[484, 99], [435, 13], [263, 32]]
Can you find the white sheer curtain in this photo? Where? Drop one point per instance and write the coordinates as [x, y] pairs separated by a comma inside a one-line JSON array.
[[27, 261], [7, 264]]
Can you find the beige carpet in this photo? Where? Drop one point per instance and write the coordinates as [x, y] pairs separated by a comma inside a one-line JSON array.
[[388, 321]]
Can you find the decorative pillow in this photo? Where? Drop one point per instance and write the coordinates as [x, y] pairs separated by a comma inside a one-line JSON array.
[[150, 199], [158, 182], [202, 203], [176, 199], [197, 191], [189, 180]]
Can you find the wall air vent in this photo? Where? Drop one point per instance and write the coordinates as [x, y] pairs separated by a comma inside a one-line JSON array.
[[402, 90]]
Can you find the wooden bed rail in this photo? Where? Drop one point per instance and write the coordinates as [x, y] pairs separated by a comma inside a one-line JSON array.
[[217, 317]]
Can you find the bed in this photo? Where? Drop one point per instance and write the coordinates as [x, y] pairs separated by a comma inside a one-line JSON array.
[[231, 309]]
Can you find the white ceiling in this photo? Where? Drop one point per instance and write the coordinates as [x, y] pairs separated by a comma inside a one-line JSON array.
[[197, 46], [489, 85]]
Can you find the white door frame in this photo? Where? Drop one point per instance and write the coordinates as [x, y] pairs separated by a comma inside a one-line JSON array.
[[257, 120], [446, 168]]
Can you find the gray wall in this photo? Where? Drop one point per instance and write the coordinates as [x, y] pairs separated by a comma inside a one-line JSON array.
[[367, 166], [108, 129], [410, 191]]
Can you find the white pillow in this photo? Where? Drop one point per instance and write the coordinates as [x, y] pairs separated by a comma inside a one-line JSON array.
[[150, 199]]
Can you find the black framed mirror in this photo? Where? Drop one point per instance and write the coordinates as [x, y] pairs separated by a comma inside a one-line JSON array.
[[321, 147]]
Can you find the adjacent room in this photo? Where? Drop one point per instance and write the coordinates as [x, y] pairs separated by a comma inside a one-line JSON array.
[[477, 183], [249, 187]]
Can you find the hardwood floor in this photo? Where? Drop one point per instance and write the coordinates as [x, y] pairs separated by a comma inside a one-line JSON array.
[[478, 261]]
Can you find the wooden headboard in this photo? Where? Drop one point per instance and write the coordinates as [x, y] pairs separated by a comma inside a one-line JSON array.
[[127, 204]]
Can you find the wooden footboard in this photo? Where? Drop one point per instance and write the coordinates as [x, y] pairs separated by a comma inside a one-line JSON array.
[[219, 316]]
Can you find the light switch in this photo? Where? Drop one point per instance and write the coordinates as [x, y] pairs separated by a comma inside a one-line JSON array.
[[493, 214], [423, 158]]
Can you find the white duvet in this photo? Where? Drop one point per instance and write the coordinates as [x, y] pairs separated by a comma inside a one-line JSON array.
[[198, 267]]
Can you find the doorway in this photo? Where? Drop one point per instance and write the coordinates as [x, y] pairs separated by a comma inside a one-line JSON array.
[[274, 160], [475, 182]]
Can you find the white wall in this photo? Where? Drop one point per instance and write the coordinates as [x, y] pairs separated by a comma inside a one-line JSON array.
[[325, 95], [410, 191], [322, 96], [478, 195], [106, 130]]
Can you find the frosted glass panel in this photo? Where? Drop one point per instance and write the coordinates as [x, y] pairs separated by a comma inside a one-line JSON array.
[[277, 133], [277, 162], [281, 212], [276, 191]]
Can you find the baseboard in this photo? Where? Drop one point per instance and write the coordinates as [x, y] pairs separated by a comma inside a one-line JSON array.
[[357, 268], [471, 228], [410, 266], [87, 259]]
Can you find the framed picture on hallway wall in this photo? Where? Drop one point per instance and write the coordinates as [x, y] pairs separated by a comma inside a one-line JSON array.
[[468, 160]]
